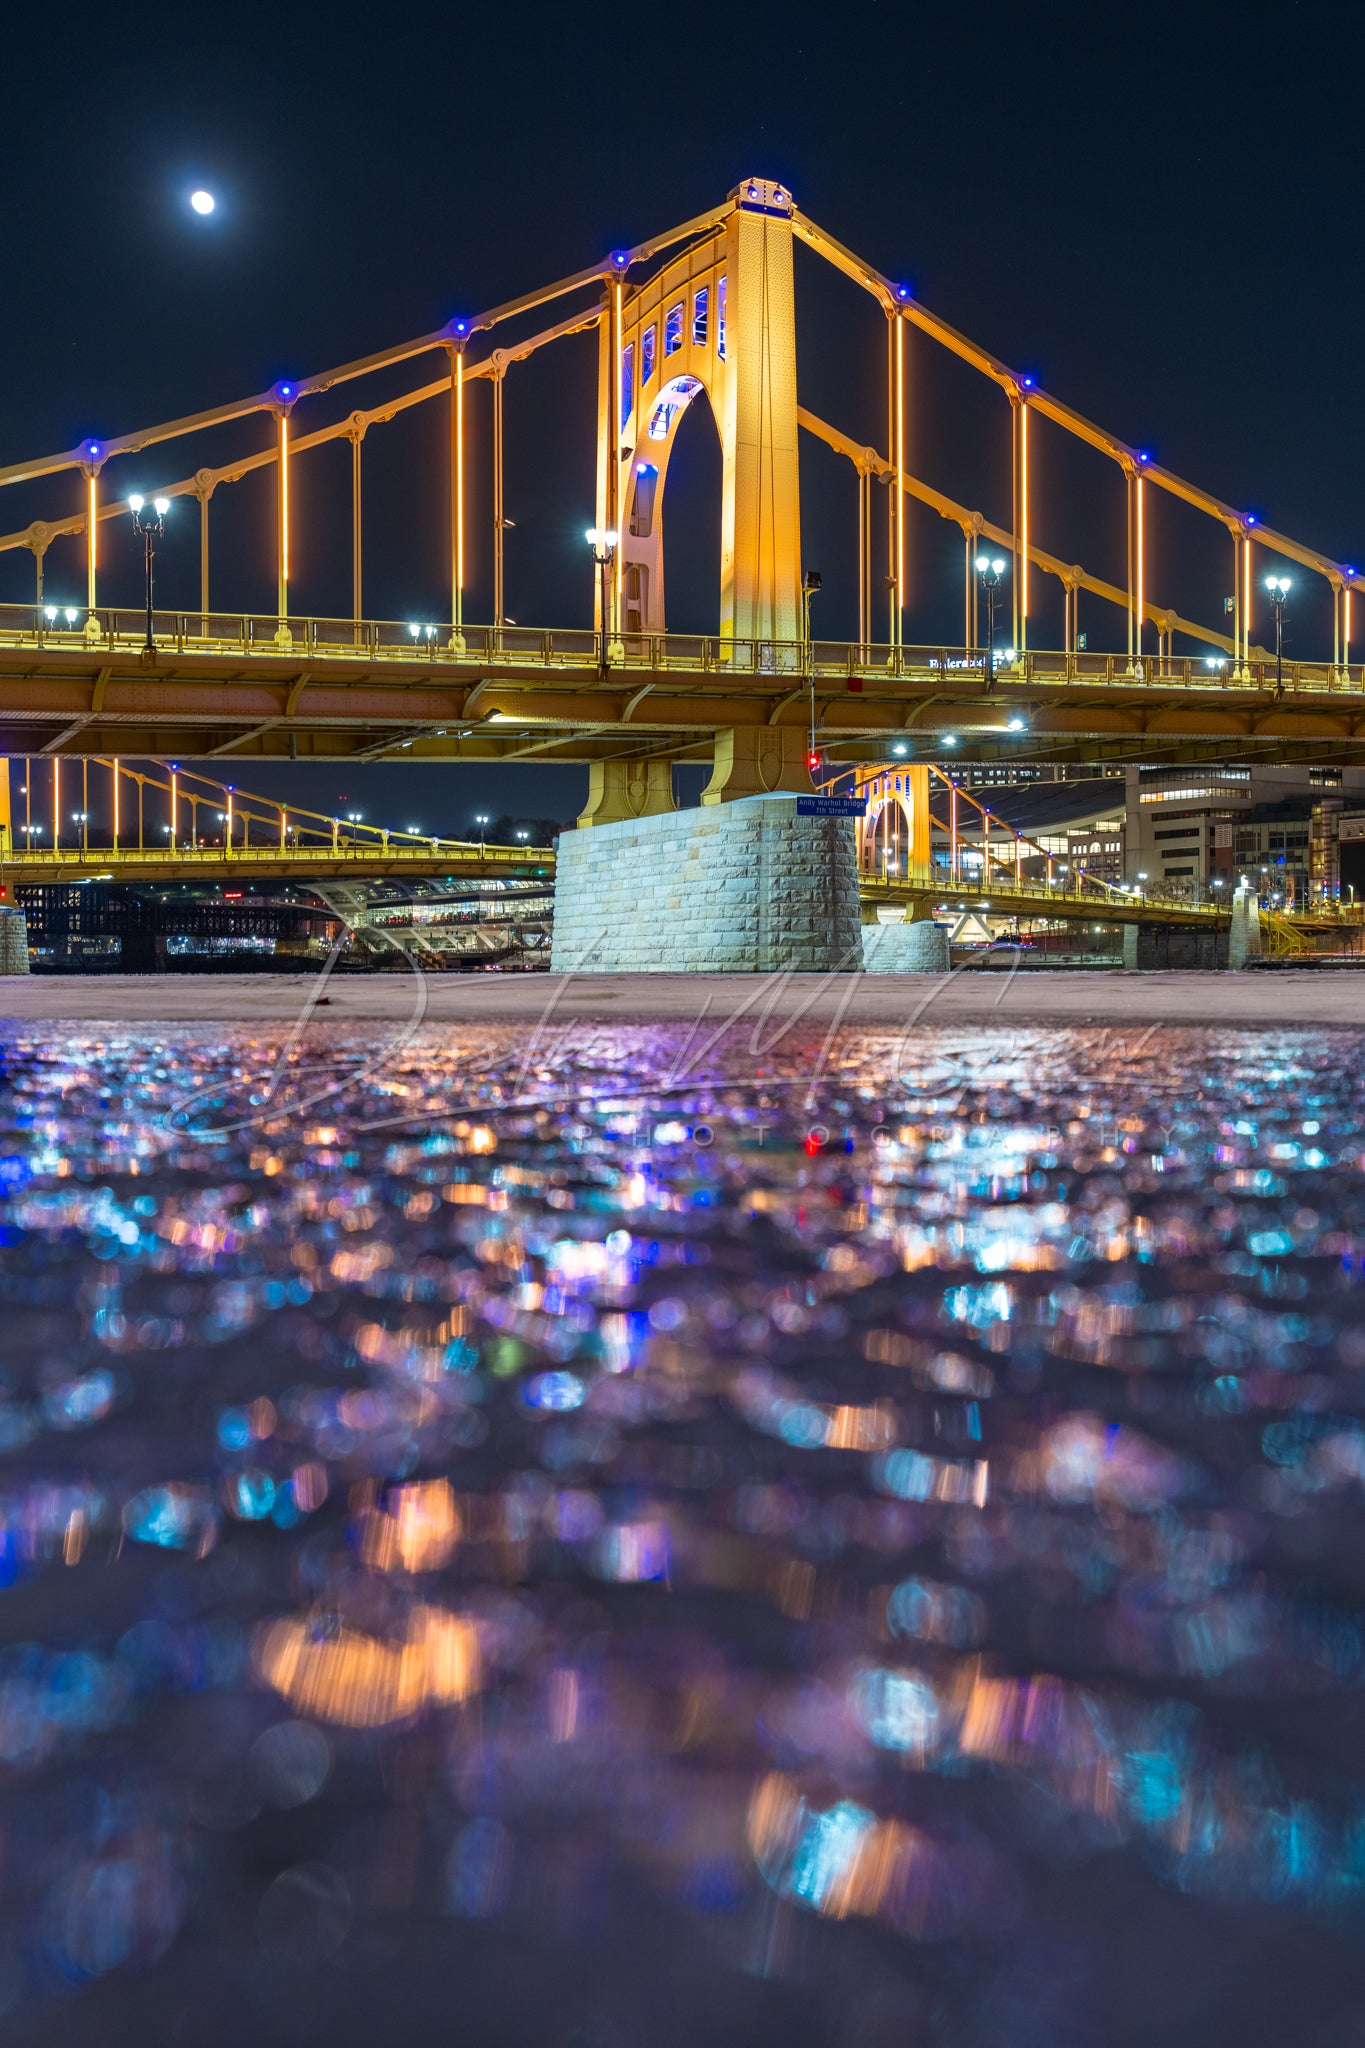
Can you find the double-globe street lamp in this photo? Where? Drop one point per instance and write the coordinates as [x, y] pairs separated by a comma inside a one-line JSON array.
[[1278, 586], [148, 523], [990, 569]]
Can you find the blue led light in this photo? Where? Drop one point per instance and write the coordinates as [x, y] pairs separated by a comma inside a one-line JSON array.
[[1251, 518], [92, 447], [1028, 383], [557, 1391], [252, 1496], [1143, 456], [620, 259], [902, 291], [234, 1429]]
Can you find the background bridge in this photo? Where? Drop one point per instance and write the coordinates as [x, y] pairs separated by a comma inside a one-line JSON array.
[[163, 825]]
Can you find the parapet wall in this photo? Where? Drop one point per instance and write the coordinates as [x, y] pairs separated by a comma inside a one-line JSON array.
[[732, 888]]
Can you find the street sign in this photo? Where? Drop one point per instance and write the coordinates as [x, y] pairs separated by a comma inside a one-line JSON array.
[[831, 806]]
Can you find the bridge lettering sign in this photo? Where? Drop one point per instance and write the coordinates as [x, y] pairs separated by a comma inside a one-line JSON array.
[[831, 806]]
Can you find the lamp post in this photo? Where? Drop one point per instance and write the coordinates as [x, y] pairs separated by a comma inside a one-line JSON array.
[[603, 542], [1278, 586], [481, 820], [810, 585], [148, 522], [990, 568]]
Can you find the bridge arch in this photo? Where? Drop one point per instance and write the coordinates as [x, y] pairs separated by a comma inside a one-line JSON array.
[[642, 525]]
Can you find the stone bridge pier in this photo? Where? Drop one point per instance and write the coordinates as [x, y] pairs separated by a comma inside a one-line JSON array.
[[742, 885], [1159, 947]]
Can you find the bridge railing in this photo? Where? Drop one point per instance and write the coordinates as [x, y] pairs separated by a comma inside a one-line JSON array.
[[1006, 895], [362, 859], [437, 644]]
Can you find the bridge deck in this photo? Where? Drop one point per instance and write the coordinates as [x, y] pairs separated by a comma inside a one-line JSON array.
[[231, 687], [267, 863]]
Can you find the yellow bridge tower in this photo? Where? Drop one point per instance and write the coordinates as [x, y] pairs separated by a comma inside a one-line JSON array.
[[718, 322]]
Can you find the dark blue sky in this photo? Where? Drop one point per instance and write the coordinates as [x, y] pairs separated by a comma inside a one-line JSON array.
[[1151, 209]]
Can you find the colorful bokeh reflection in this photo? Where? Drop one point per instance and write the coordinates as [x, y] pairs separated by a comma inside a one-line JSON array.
[[626, 1538]]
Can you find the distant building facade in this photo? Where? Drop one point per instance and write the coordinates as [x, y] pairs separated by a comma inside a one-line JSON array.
[[89, 927]]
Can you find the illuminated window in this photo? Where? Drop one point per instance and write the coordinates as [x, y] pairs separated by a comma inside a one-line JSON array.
[[720, 319], [627, 380], [647, 354], [700, 305], [673, 329]]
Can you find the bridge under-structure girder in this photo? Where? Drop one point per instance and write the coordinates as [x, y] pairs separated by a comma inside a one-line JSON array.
[[78, 700]]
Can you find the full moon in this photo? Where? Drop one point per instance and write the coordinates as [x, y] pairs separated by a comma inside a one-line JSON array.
[[202, 202]]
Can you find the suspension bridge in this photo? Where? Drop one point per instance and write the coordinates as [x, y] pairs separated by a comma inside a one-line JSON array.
[[703, 312], [105, 819]]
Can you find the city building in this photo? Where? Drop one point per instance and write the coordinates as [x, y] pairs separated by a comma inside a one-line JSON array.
[[88, 927], [1196, 829], [1191, 830]]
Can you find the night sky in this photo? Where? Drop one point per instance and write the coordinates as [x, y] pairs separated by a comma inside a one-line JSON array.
[[1148, 209]]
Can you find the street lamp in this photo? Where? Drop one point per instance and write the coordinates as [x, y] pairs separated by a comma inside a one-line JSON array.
[[1278, 586], [82, 818], [603, 542], [989, 569], [148, 522], [482, 821], [523, 836]]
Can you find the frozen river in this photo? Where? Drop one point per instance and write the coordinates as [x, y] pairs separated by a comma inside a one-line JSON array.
[[620, 1537]]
